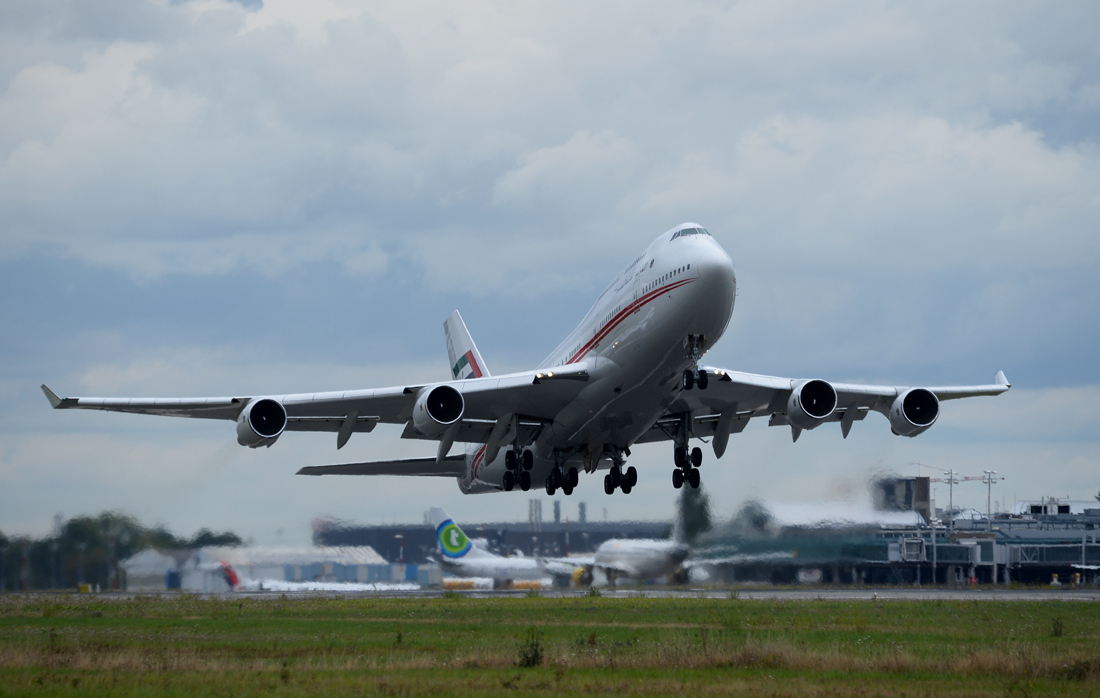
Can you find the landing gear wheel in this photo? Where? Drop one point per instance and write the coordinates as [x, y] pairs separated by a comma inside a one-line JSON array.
[[696, 456], [679, 457], [693, 478], [525, 480], [608, 486], [677, 478], [509, 481], [689, 379], [631, 476], [567, 489], [510, 460], [550, 487], [702, 379], [574, 478], [528, 460], [625, 487]]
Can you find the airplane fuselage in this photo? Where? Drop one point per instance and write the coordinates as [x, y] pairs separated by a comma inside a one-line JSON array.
[[635, 344]]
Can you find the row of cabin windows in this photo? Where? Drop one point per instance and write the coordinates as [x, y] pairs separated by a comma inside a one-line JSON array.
[[665, 277]]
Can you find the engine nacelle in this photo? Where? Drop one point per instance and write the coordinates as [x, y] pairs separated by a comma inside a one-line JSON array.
[[436, 409], [914, 411], [260, 423], [810, 403]]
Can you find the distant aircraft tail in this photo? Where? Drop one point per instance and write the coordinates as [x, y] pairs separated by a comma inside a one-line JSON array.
[[466, 361], [453, 543]]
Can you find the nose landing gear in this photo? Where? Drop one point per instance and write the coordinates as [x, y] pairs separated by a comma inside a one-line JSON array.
[[694, 345]]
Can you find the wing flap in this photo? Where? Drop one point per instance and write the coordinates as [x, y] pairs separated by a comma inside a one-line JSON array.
[[451, 466]]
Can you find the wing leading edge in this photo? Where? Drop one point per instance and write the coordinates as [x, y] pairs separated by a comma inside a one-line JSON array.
[[734, 398]]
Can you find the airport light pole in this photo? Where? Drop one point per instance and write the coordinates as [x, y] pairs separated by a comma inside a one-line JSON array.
[[951, 481], [988, 480]]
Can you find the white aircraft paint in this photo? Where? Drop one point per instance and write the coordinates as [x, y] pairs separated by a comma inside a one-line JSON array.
[[624, 376]]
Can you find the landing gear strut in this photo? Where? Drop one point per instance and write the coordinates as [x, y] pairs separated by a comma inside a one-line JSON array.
[[619, 478], [687, 463]]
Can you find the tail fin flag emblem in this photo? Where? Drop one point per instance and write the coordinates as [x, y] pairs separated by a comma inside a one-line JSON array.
[[452, 541], [466, 361]]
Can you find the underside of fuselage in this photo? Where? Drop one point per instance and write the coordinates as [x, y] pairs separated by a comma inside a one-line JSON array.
[[652, 325]]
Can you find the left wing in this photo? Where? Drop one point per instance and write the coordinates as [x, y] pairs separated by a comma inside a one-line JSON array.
[[733, 398]]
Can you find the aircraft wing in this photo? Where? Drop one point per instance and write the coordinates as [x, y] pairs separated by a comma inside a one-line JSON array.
[[533, 396], [733, 398], [451, 466]]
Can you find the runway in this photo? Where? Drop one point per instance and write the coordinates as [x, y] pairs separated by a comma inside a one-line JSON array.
[[872, 594]]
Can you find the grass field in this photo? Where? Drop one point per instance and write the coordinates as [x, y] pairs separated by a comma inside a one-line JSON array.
[[185, 645]]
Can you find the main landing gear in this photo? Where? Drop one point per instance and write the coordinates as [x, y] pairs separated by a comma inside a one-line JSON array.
[[618, 478], [565, 479], [687, 467], [693, 378], [518, 470]]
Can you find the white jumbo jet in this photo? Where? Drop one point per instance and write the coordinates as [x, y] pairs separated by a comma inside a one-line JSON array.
[[459, 556], [630, 373]]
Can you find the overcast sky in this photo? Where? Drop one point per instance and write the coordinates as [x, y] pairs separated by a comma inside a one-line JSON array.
[[221, 198]]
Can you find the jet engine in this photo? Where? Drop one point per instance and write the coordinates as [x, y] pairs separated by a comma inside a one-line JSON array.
[[436, 409], [914, 411], [260, 423], [810, 403]]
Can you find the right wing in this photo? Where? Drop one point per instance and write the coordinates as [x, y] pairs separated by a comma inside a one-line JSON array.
[[533, 397]]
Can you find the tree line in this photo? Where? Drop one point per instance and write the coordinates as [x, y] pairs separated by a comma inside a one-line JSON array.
[[86, 549]]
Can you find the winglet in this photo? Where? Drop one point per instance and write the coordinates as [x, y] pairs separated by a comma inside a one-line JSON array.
[[55, 401], [999, 380]]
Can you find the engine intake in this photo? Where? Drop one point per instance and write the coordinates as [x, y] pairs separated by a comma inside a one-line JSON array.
[[260, 423], [436, 409], [914, 411], [810, 403]]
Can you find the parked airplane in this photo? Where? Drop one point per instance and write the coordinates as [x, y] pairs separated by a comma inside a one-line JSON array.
[[459, 556], [632, 558], [626, 375]]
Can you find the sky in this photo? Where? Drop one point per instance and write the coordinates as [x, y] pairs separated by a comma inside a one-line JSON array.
[[210, 197]]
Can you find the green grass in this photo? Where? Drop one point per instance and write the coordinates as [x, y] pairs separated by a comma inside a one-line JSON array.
[[85, 645]]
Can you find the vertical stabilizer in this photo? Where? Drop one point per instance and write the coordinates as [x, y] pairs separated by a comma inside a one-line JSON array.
[[453, 543], [466, 361]]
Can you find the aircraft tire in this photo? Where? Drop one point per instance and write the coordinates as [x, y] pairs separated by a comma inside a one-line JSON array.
[[689, 379], [567, 489], [693, 478], [510, 460], [509, 481], [696, 456], [625, 487], [550, 487], [679, 457], [525, 480], [574, 478], [528, 460], [632, 476], [677, 478], [702, 380], [608, 486]]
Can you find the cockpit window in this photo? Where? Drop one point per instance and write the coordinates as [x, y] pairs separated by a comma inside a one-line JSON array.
[[688, 231]]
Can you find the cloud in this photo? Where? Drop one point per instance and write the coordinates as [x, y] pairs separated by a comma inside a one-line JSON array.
[[210, 196]]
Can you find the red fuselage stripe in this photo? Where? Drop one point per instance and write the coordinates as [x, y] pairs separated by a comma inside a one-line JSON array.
[[618, 319]]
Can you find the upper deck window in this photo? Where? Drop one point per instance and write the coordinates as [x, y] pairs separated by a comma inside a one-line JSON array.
[[689, 231]]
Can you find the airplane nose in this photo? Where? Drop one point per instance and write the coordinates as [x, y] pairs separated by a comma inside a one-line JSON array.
[[715, 270]]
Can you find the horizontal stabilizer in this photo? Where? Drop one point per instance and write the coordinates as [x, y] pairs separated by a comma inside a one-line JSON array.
[[451, 466]]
